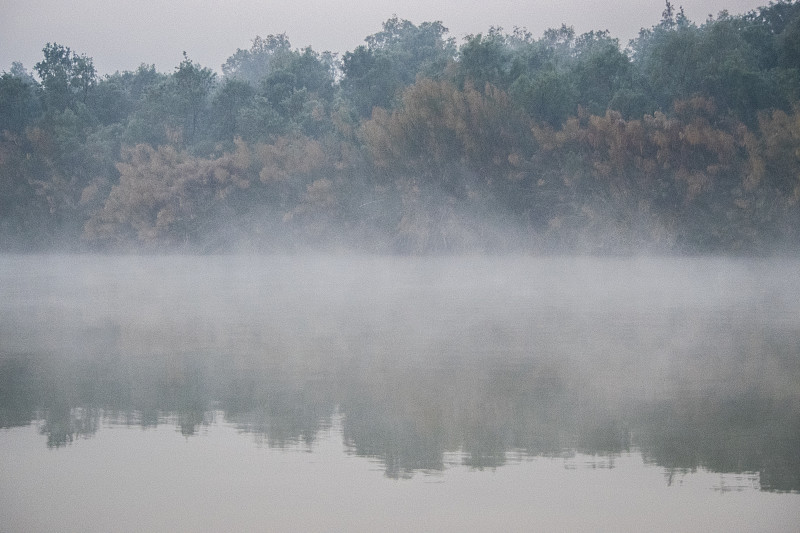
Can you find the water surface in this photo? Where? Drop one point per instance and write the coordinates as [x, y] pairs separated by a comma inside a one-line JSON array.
[[337, 393]]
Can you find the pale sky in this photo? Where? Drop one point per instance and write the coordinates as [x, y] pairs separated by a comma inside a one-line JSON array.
[[122, 34]]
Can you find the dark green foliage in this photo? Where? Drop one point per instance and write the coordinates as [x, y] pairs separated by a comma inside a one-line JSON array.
[[550, 97], [314, 72], [119, 95], [190, 91], [600, 72], [392, 60], [18, 103], [486, 59], [368, 81], [67, 78], [233, 96], [272, 90]]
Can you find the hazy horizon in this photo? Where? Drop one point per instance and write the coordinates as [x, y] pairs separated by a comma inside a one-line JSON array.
[[158, 33]]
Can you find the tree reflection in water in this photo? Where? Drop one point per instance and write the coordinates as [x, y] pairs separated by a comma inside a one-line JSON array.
[[422, 361], [409, 417]]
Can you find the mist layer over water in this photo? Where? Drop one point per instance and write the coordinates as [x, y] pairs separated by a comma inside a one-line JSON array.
[[424, 366]]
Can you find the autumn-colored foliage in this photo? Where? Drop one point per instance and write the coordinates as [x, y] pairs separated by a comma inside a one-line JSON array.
[[165, 195]]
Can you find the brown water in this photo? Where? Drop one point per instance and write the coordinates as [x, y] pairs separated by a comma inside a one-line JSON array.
[[360, 394]]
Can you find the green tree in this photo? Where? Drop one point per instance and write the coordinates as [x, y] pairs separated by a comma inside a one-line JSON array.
[[486, 59], [233, 96], [19, 104], [368, 80], [549, 97], [314, 72], [175, 111], [375, 73], [66, 77], [291, 89], [600, 70], [117, 96], [192, 88], [264, 57], [669, 56]]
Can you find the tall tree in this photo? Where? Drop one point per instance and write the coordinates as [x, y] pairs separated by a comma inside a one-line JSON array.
[[265, 55], [193, 85], [65, 76], [375, 73], [18, 103], [233, 96], [486, 59]]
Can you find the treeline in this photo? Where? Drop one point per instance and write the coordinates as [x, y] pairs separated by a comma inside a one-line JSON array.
[[685, 140]]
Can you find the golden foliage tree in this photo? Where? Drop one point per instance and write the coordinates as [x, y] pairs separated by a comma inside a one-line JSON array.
[[289, 157], [439, 127], [780, 132], [164, 195]]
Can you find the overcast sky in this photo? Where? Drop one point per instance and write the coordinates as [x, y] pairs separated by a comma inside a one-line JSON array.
[[122, 34]]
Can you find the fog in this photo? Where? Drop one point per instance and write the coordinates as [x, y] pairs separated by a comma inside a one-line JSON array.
[[612, 332], [443, 268], [422, 366]]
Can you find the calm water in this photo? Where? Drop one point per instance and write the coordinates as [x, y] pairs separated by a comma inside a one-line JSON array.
[[368, 394]]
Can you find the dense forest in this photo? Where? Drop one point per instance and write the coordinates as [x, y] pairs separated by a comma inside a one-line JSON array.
[[684, 140]]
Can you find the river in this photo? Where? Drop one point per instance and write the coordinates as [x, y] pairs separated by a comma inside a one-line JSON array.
[[339, 393]]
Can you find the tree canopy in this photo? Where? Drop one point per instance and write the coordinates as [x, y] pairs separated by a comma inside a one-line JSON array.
[[685, 139]]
